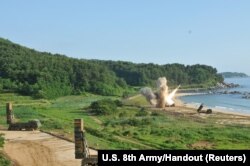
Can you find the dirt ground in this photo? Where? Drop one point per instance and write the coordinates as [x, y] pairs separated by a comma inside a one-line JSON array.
[[35, 148]]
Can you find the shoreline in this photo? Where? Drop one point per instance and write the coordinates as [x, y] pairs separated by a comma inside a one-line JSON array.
[[192, 106]]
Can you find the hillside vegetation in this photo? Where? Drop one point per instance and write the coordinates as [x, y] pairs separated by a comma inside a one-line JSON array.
[[46, 75]]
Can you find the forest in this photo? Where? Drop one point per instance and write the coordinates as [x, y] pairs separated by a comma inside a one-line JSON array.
[[45, 75]]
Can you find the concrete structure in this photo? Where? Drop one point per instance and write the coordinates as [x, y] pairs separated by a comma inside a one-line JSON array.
[[9, 113], [30, 125], [81, 147]]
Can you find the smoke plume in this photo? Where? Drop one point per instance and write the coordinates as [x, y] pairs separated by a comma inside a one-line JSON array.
[[161, 98], [149, 95], [161, 84]]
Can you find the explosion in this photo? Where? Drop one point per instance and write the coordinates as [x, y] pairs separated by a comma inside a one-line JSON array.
[[161, 98]]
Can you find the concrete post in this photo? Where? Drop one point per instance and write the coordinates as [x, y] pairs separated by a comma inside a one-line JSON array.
[[9, 113], [79, 138]]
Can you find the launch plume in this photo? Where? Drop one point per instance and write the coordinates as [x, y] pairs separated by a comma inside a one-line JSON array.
[[161, 98], [169, 99]]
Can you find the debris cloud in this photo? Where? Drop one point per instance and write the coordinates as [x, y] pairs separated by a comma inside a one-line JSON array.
[[161, 98]]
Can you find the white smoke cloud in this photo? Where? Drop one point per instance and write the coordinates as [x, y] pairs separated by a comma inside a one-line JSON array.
[[161, 98], [161, 82]]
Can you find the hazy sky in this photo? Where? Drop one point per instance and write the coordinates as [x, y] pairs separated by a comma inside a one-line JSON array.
[[213, 32]]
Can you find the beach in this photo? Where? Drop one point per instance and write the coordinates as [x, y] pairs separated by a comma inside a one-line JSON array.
[[220, 116], [229, 99]]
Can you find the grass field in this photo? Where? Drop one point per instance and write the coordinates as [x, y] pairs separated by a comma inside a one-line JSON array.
[[132, 127]]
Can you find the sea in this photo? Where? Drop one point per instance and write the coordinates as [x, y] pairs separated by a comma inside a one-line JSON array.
[[227, 102]]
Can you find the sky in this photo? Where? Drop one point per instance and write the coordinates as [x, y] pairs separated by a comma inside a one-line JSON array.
[[211, 32]]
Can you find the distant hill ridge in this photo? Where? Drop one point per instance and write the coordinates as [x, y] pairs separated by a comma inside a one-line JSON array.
[[233, 74], [46, 75]]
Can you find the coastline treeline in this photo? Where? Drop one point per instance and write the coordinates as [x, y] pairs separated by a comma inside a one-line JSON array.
[[233, 74], [45, 75]]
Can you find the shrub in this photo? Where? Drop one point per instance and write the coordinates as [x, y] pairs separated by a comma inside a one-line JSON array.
[[118, 103], [123, 114], [1, 140], [104, 107], [3, 160], [127, 133], [155, 114], [142, 112]]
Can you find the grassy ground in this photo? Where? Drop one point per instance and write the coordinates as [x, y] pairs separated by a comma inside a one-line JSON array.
[[131, 127]]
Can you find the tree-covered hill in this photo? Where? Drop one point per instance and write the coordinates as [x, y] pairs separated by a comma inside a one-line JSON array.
[[233, 74], [146, 74], [47, 75]]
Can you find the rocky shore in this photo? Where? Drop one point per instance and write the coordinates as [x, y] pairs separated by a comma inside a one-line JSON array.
[[226, 85], [245, 95], [220, 88], [219, 85]]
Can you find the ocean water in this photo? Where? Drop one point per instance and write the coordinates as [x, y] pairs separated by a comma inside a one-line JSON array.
[[232, 102]]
